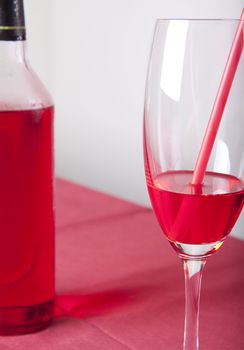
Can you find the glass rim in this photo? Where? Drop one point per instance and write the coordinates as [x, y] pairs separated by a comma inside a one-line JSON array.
[[158, 20]]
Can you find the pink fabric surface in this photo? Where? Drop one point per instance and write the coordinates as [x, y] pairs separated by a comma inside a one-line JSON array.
[[120, 285]]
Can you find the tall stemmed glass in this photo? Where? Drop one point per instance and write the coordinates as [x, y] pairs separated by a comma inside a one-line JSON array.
[[186, 65]]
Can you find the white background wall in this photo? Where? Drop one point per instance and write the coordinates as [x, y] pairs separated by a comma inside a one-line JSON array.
[[93, 57]]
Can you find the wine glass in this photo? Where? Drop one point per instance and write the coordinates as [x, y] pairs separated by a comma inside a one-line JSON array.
[[187, 61]]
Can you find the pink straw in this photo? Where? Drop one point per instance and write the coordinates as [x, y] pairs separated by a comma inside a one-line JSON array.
[[219, 105]]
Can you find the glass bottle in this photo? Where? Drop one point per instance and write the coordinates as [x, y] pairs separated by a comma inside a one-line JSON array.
[[26, 184]]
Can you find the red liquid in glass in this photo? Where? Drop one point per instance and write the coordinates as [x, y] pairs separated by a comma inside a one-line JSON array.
[[26, 220], [196, 216]]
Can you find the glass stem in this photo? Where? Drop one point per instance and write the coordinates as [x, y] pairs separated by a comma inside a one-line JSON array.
[[193, 269]]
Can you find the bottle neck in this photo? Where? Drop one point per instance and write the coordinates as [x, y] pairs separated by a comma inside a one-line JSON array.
[[12, 52]]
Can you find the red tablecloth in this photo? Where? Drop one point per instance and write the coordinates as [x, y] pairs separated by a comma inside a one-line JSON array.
[[120, 285]]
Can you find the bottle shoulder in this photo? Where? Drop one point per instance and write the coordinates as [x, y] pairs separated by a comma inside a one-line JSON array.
[[21, 88]]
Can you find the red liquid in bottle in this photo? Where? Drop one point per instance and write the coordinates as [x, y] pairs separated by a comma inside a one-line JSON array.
[[189, 216], [26, 220]]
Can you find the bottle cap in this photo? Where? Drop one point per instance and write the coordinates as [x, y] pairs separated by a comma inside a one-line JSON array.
[[12, 20]]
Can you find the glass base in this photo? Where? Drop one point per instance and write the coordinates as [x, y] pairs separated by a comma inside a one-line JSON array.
[[26, 319], [196, 251]]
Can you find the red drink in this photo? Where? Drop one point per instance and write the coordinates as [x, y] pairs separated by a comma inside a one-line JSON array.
[[26, 220], [189, 216]]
